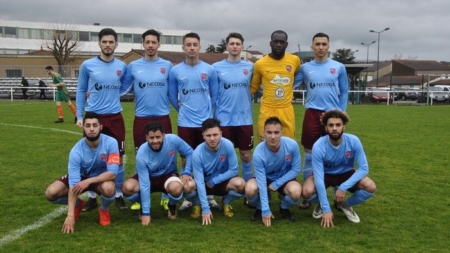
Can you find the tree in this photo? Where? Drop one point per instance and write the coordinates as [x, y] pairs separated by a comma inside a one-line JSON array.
[[344, 56], [211, 49], [221, 47], [62, 40]]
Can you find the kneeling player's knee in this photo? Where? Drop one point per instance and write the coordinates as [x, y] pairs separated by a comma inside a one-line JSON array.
[[108, 189], [372, 187], [251, 188]]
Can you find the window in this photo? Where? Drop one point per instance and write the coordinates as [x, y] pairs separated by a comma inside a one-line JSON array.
[[11, 51], [84, 36], [177, 40], [77, 73], [137, 38], [13, 73], [94, 36], [10, 32], [166, 39], [127, 37], [36, 34], [23, 33]]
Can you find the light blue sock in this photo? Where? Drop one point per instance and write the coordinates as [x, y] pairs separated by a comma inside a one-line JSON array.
[[174, 200], [61, 201], [358, 197], [288, 202], [193, 197], [136, 197], [255, 201], [247, 171], [164, 196], [314, 199], [307, 167], [120, 177], [231, 196], [106, 202]]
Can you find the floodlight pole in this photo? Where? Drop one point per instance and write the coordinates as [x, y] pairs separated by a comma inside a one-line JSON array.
[[367, 61], [378, 54]]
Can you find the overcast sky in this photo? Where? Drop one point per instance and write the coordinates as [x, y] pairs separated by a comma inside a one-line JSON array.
[[418, 29]]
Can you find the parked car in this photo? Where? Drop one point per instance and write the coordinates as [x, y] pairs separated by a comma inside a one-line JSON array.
[[380, 96], [435, 93], [404, 95]]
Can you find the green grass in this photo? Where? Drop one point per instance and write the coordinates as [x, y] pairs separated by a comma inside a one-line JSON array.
[[407, 148]]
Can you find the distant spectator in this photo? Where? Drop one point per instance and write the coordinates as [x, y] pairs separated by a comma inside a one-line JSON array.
[[42, 84], [24, 83]]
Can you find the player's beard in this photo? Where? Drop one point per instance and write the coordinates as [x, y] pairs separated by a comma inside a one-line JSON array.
[[108, 53], [92, 138], [335, 137]]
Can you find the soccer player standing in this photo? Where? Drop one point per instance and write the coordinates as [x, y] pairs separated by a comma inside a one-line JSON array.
[[333, 159], [93, 165], [215, 167], [193, 88], [327, 87], [62, 94], [277, 163], [156, 170], [234, 105], [275, 72], [101, 77], [148, 78]]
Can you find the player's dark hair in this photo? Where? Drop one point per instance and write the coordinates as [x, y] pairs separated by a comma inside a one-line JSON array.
[[191, 35], [279, 31], [272, 121], [106, 32], [321, 35], [210, 123], [153, 126], [236, 36], [92, 115], [151, 32], [49, 68], [338, 114]]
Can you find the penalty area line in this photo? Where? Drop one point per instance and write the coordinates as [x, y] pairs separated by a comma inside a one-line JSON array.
[[41, 222]]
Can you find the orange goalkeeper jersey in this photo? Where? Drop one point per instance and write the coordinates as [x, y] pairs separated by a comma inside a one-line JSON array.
[[276, 78]]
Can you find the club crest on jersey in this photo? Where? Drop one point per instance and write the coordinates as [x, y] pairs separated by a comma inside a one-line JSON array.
[[333, 71], [171, 152], [222, 157], [348, 154], [103, 157], [288, 158], [245, 71], [204, 76], [288, 68], [119, 73], [163, 70]]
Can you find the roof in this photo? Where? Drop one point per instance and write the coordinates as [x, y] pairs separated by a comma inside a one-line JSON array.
[[40, 52], [423, 65], [255, 52], [383, 64], [177, 57], [353, 69]]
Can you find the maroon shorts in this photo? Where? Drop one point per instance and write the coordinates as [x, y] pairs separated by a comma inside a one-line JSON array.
[[312, 128], [191, 135], [281, 188], [336, 180], [157, 183], [241, 136], [114, 126], [218, 189], [139, 128], [92, 187]]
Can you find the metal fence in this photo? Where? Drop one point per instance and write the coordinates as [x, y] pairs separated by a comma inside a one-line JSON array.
[[37, 71]]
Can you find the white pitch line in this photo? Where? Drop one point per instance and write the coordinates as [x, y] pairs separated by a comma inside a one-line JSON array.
[[49, 217], [43, 128], [41, 222]]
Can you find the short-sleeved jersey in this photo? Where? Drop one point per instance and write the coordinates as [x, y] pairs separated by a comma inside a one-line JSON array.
[[276, 167], [195, 87], [87, 162], [326, 85], [213, 167], [103, 81], [56, 78], [234, 105], [150, 163], [149, 80], [276, 78], [329, 159]]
